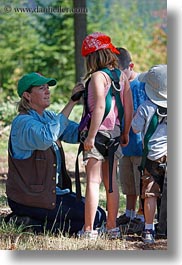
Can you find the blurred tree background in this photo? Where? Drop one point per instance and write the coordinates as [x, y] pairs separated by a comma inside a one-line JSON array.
[[41, 36]]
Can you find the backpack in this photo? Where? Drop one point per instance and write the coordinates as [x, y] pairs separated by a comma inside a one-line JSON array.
[[160, 112], [106, 146], [114, 90]]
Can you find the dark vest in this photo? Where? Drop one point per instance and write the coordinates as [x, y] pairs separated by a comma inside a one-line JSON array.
[[32, 181]]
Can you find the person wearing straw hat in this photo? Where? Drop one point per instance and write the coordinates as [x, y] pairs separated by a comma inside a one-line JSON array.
[[155, 162]]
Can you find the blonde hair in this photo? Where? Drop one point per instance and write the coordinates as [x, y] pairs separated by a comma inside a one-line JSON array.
[[99, 59], [23, 105]]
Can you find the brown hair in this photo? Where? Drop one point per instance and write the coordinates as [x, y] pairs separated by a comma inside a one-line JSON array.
[[124, 58], [98, 60], [23, 104]]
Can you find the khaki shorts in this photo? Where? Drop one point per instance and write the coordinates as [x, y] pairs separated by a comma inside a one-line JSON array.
[[149, 187], [94, 153], [153, 177], [129, 174]]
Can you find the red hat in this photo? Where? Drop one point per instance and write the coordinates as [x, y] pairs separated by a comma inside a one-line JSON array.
[[97, 41]]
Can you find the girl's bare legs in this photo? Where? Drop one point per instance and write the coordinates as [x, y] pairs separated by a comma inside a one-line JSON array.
[[94, 177], [112, 198]]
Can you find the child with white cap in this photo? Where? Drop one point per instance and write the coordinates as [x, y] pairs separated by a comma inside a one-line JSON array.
[[152, 112]]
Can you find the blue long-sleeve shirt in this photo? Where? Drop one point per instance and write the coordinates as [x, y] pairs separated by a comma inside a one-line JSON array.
[[30, 132]]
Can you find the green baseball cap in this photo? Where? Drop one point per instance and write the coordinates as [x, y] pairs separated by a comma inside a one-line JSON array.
[[33, 79]]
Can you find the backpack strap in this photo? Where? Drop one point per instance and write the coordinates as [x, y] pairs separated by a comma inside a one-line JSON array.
[[108, 101], [115, 90], [151, 129], [77, 174], [64, 180]]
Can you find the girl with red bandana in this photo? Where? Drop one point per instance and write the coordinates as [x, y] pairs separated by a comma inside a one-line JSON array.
[[100, 53]]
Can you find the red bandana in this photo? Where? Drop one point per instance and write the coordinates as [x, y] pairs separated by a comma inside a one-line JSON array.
[[97, 41]]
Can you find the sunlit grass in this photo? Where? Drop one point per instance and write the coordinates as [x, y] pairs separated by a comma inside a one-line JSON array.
[[20, 237], [16, 237]]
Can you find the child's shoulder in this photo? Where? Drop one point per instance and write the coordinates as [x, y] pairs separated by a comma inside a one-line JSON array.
[[147, 107], [148, 103], [100, 76]]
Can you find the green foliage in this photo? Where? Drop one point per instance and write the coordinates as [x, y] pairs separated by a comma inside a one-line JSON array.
[[41, 42], [44, 42], [75, 114], [55, 31], [7, 112], [134, 25], [3, 145], [98, 19]]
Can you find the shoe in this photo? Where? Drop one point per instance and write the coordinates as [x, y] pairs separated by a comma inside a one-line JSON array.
[[102, 230], [148, 236], [92, 235], [160, 232], [113, 233], [122, 220], [21, 220]]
